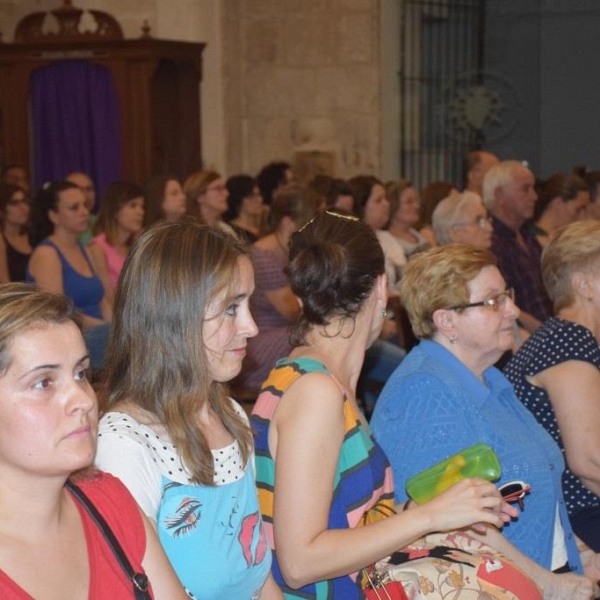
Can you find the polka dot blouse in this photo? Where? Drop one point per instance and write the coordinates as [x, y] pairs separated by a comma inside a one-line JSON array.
[[555, 342]]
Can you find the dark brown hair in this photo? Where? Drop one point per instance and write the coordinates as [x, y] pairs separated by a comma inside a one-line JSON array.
[[117, 195], [334, 262]]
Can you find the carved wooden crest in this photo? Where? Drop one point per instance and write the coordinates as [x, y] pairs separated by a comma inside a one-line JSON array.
[[30, 28]]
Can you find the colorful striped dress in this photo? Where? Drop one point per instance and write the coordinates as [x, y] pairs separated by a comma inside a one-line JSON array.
[[363, 486]]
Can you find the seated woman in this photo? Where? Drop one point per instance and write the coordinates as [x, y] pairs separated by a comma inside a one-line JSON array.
[[163, 200], [556, 374], [462, 218], [49, 545], [404, 217], [119, 221], [447, 396], [171, 434], [431, 195], [60, 264], [373, 207], [336, 192], [206, 199], [563, 199], [15, 248], [246, 207], [385, 354], [325, 485], [274, 306]]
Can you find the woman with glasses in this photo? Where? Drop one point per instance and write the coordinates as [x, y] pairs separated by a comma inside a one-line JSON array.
[[15, 247], [446, 396], [556, 373], [325, 486], [206, 199], [462, 218]]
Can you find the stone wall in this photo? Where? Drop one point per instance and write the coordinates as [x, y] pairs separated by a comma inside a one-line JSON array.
[[302, 83]]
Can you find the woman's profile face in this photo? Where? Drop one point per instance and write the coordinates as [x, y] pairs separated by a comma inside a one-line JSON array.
[[215, 197], [130, 217], [71, 211], [473, 226], [228, 324], [377, 208], [573, 210], [252, 205], [485, 333], [408, 207], [173, 205], [48, 410], [17, 209]]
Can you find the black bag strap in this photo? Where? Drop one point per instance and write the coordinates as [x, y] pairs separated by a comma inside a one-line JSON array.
[[139, 580]]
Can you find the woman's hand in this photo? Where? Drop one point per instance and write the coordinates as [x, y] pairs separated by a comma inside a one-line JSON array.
[[591, 563], [469, 502]]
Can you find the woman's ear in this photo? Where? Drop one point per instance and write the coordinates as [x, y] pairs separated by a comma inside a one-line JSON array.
[[443, 319], [382, 286], [581, 285], [52, 216]]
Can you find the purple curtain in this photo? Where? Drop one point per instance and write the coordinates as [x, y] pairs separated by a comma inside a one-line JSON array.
[[76, 123]]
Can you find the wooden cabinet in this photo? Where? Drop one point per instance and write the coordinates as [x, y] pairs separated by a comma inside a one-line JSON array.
[[157, 83]]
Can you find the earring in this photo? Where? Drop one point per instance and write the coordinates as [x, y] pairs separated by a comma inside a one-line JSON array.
[[383, 313], [452, 338]]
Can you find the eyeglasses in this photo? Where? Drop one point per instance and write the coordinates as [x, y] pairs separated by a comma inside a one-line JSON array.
[[216, 188], [514, 491], [481, 222], [496, 302]]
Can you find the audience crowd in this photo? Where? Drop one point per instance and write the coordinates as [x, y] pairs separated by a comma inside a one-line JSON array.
[[372, 330]]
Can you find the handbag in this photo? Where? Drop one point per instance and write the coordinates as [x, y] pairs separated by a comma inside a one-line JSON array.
[[376, 584], [442, 565], [379, 586], [139, 581]]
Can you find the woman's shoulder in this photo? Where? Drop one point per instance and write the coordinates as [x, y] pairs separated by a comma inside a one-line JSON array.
[[114, 502], [116, 422], [556, 341], [100, 485], [303, 375]]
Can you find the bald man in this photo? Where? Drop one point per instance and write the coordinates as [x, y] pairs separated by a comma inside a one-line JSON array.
[[478, 163]]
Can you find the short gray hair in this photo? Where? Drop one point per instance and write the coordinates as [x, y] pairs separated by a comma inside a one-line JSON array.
[[448, 213], [499, 176]]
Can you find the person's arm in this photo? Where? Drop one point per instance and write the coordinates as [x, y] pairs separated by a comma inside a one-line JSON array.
[[100, 266], [97, 258], [591, 563], [270, 590], [46, 270], [306, 436], [574, 391], [165, 584], [553, 586]]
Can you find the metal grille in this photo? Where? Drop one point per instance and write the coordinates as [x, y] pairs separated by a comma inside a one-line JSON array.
[[441, 69]]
